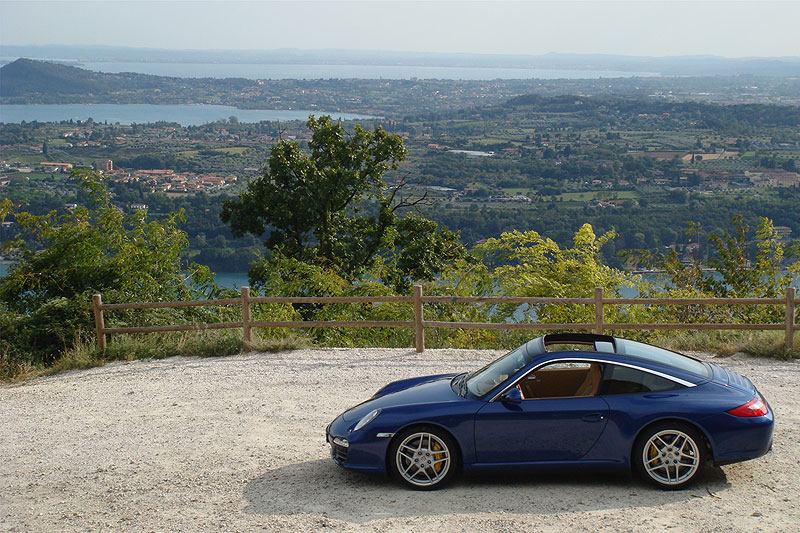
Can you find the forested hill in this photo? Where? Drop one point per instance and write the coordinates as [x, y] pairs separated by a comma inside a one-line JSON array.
[[30, 78], [26, 76], [583, 111]]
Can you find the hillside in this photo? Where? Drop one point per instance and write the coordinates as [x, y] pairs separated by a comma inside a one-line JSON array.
[[641, 112], [26, 77], [44, 82]]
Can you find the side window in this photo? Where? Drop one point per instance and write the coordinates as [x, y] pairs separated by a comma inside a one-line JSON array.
[[562, 380], [624, 380]]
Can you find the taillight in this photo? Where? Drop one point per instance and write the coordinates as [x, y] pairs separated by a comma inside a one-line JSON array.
[[755, 407]]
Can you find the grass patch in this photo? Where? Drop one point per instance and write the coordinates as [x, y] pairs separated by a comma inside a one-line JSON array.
[[27, 158], [726, 343], [232, 150], [221, 343], [209, 343], [513, 191]]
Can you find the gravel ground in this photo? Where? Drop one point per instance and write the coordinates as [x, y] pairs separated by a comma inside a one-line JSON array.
[[237, 444]]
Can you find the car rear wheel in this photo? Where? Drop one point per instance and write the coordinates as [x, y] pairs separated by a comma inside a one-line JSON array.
[[423, 458], [670, 455]]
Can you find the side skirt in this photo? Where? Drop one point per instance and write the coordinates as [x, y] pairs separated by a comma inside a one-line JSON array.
[[547, 465]]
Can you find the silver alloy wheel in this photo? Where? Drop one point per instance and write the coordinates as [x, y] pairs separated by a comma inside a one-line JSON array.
[[671, 457], [423, 459]]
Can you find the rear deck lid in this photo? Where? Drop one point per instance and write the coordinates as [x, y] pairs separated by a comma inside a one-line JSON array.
[[732, 379]]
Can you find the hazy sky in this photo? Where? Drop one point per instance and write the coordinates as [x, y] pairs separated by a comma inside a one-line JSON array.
[[733, 29]]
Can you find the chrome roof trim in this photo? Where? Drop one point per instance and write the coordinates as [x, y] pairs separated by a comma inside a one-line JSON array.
[[591, 360]]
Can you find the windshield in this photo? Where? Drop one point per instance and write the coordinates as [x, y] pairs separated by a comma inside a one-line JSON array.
[[487, 378], [665, 357]]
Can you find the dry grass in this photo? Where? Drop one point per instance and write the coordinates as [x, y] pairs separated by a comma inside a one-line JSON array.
[[724, 343], [211, 343], [220, 343]]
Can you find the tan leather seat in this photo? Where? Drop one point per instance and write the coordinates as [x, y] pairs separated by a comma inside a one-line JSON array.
[[591, 383]]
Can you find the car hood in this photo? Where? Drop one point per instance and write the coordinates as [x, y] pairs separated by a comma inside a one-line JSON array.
[[402, 384], [422, 390]]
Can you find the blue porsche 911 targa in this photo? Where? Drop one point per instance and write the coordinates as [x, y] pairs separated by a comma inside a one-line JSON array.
[[558, 401]]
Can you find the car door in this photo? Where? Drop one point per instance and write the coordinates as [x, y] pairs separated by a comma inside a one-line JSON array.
[[561, 425]]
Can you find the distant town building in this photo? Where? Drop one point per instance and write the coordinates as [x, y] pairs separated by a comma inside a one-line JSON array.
[[212, 181], [773, 178], [104, 165], [155, 172], [784, 232]]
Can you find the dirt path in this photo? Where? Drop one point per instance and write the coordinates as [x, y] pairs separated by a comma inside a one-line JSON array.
[[237, 444]]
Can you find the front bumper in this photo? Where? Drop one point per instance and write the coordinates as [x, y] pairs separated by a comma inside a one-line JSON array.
[[338, 452], [366, 451]]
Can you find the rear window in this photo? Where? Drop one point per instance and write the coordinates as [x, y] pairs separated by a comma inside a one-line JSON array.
[[662, 356], [623, 380]]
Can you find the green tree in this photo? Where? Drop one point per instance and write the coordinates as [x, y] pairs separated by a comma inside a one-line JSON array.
[[532, 265], [331, 206], [746, 265], [748, 271], [64, 258]]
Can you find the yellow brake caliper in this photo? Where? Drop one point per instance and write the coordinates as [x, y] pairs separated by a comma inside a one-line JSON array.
[[652, 452], [436, 456]]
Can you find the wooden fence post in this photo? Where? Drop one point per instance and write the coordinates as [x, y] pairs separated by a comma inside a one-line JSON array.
[[247, 333], [788, 340], [99, 324], [598, 310], [420, 331]]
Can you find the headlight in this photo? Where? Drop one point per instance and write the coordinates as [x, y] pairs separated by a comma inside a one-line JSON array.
[[369, 417]]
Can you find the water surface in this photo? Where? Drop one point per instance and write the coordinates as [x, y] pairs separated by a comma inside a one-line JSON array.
[[391, 72], [185, 115]]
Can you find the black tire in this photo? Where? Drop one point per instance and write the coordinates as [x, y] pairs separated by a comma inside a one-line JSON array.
[[423, 458], [670, 455]]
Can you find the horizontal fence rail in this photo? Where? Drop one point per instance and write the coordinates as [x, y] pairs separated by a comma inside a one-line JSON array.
[[419, 323]]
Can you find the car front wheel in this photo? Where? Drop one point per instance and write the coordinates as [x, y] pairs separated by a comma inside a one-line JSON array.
[[423, 458], [670, 455]]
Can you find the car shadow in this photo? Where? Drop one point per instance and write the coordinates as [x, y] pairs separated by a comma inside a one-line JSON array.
[[321, 487]]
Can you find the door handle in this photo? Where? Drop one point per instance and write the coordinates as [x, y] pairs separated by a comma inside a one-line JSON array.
[[593, 417]]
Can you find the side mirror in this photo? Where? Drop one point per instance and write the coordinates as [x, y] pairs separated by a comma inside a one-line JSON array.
[[512, 396]]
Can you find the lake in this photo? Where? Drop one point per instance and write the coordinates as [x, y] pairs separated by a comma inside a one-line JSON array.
[[235, 280], [232, 280], [185, 115], [229, 280], [390, 72]]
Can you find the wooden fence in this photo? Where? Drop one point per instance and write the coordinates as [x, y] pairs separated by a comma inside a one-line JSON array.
[[419, 323]]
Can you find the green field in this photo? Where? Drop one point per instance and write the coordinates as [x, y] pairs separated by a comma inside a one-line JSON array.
[[235, 150], [591, 195], [22, 158], [517, 191]]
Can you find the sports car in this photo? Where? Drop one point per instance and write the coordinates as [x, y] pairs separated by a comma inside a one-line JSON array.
[[559, 401]]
